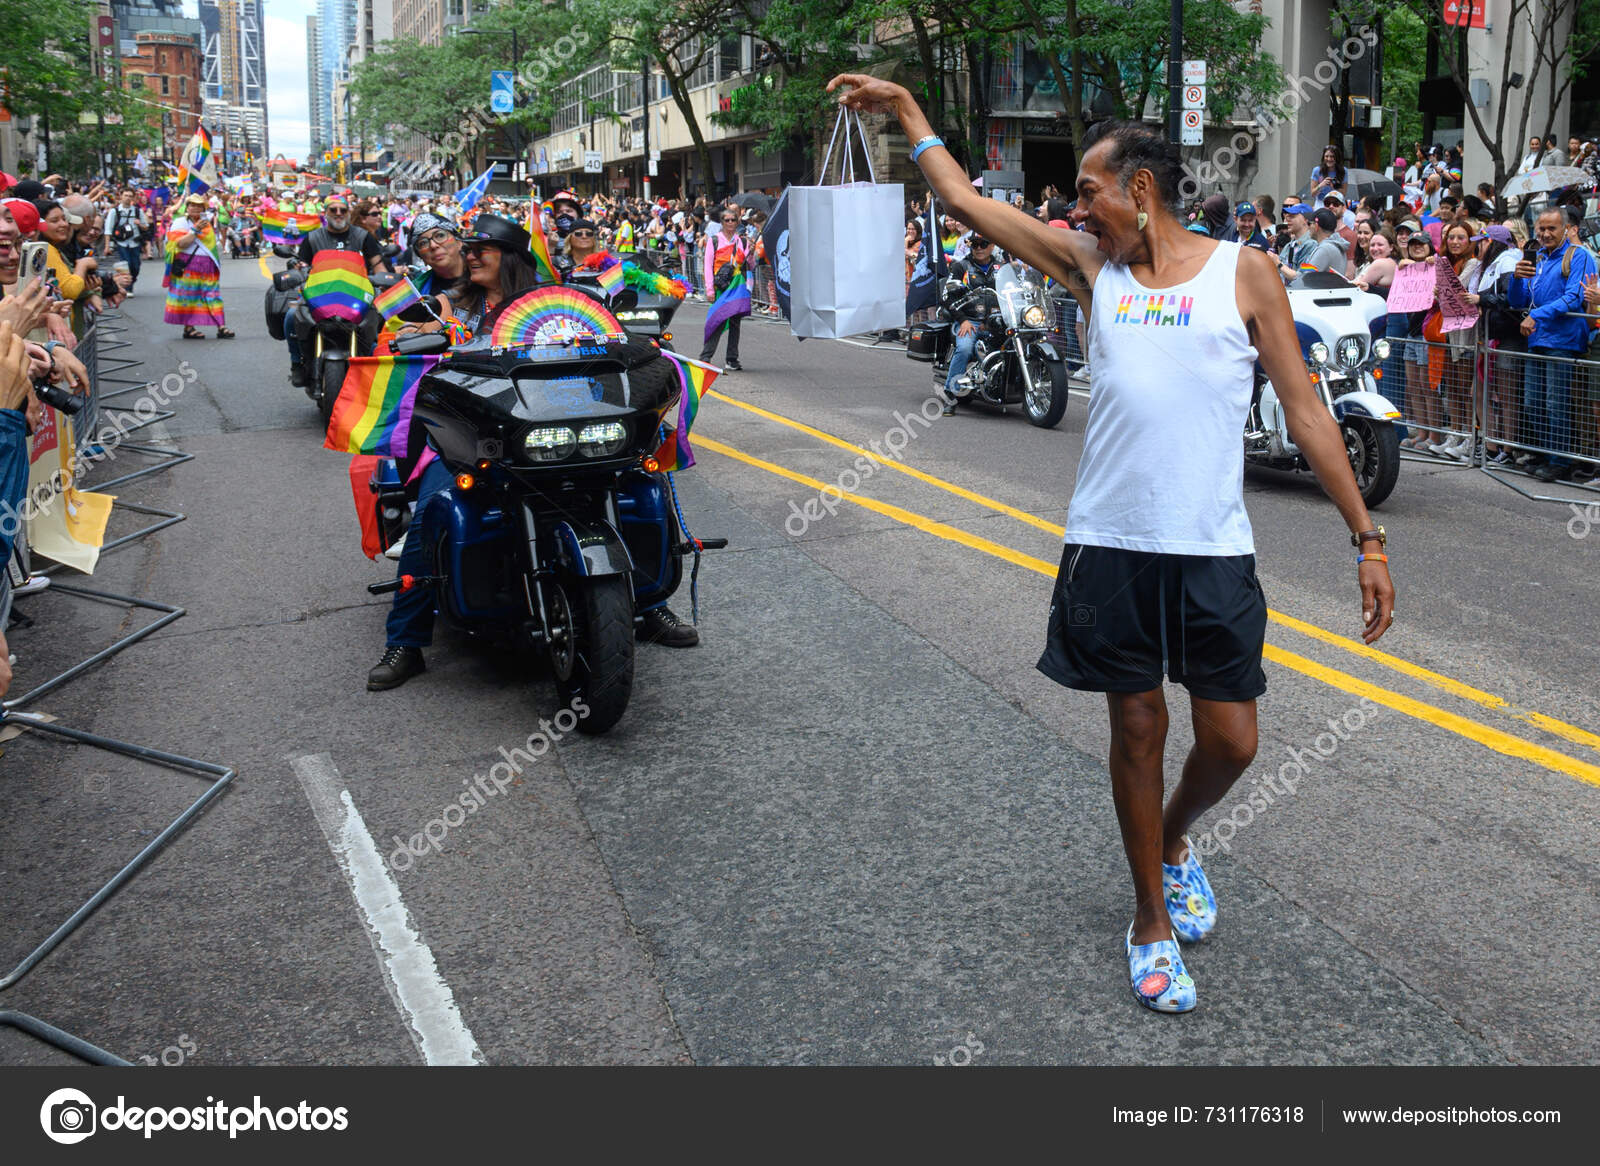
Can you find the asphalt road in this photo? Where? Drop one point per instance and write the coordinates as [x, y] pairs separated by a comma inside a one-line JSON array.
[[854, 826]]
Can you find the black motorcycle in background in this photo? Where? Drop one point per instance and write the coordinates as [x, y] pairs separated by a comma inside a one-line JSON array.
[[1015, 362], [325, 344]]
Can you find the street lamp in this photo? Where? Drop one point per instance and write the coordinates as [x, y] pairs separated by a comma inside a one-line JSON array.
[[516, 62]]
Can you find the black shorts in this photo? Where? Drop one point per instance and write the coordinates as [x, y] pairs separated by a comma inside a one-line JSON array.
[[1119, 619]]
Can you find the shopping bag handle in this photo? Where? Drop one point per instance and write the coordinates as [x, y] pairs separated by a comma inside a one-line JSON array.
[[847, 164]]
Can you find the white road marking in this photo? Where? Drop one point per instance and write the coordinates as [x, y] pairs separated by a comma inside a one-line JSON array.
[[419, 992]]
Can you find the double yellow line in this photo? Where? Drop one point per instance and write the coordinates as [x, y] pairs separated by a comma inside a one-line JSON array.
[[1498, 740]]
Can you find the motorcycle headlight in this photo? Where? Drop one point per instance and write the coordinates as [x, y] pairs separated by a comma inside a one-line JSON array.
[[602, 439], [1349, 351], [1319, 353], [1033, 316], [549, 443], [1380, 348], [646, 315]]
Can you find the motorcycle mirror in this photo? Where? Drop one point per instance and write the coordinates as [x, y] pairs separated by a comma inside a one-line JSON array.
[[422, 344], [283, 251], [624, 300]]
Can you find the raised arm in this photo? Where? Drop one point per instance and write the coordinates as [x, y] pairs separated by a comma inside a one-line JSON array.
[[1053, 251]]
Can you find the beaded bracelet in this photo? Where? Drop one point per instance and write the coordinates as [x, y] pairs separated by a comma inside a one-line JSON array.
[[1374, 556]]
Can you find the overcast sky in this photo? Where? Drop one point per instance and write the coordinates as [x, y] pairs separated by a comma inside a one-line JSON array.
[[288, 120]]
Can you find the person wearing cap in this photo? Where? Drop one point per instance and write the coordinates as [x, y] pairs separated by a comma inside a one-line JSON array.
[[1334, 201], [1244, 230], [565, 212], [967, 277], [1301, 241], [1325, 254], [194, 276]]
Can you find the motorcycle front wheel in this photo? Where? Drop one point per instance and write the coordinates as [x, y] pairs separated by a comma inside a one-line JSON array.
[[332, 379], [591, 648], [1047, 403], [1374, 451]]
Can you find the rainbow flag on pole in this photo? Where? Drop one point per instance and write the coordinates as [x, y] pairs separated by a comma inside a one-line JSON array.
[[338, 287], [373, 412], [540, 250], [287, 227], [391, 301], [694, 378], [198, 172]]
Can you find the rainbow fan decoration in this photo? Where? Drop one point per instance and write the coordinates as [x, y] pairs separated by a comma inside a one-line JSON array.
[[552, 315]]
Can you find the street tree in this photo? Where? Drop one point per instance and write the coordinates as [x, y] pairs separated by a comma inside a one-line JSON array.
[[1562, 34]]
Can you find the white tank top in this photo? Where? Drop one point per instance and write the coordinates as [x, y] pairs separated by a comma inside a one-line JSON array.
[[1163, 453]]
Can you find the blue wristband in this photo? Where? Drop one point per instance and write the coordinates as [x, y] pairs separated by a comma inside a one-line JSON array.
[[926, 144]]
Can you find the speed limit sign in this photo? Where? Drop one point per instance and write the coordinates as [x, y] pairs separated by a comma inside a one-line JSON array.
[[1192, 132]]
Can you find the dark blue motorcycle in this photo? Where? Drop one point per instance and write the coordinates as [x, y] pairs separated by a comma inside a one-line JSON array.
[[557, 530]]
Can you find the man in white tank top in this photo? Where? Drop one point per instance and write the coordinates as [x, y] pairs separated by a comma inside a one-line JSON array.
[[1158, 574]]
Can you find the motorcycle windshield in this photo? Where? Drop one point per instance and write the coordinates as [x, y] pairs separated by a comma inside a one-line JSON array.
[[556, 384], [1016, 294]]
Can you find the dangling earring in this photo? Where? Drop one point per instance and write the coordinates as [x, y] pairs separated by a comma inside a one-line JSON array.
[[1143, 219]]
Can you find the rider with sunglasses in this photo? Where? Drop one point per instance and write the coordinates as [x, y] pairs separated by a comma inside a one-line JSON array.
[[967, 276], [581, 242]]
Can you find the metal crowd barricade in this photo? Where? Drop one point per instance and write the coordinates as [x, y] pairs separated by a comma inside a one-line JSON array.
[[218, 777], [1505, 410]]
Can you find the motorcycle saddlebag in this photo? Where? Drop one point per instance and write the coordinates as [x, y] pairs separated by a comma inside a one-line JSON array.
[[922, 342], [277, 304]]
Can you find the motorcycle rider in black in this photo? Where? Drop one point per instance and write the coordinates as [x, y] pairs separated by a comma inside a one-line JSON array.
[[336, 234], [967, 275], [501, 270]]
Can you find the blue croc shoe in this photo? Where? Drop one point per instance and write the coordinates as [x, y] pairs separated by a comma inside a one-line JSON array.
[[1157, 975], [1190, 903]]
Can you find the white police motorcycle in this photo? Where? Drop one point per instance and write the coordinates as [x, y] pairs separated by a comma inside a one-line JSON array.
[[1340, 328]]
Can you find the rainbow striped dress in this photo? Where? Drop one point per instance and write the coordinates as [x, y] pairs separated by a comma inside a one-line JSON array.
[[194, 296]]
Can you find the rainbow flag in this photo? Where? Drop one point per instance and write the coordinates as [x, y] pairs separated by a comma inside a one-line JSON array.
[[198, 170], [735, 301], [611, 279], [391, 301], [373, 412], [540, 250], [338, 287], [694, 378], [287, 227]]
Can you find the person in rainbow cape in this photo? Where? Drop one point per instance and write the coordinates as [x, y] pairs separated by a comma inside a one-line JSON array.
[[194, 275]]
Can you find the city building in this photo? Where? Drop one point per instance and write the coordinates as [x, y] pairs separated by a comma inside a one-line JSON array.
[[321, 130], [235, 76], [577, 133], [166, 69]]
